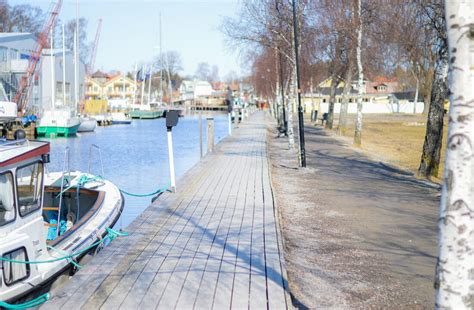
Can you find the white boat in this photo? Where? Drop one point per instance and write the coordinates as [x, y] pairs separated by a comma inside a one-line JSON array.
[[88, 124], [103, 119], [60, 122], [34, 247], [8, 111], [120, 118]]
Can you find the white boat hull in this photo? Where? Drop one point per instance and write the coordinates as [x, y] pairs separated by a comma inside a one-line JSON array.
[[82, 235], [87, 125]]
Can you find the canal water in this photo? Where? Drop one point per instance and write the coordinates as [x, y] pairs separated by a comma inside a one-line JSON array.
[[135, 157]]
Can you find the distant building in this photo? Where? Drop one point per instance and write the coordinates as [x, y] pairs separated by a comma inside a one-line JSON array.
[[197, 92], [382, 86], [15, 53], [381, 95], [102, 86], [15, 50], [192, 90]]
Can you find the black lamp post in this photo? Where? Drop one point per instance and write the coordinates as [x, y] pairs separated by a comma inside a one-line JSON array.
[[300, 108]]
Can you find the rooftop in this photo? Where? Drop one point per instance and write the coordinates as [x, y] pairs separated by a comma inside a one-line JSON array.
[[13, 151], [12, 36]]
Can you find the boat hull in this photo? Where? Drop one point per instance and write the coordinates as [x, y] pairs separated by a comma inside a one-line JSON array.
[[143, 114], [121, 122], [87, 125], [46, 131], [89, 228]]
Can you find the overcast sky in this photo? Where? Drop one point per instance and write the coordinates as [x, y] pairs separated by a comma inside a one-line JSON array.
[[130, 30]]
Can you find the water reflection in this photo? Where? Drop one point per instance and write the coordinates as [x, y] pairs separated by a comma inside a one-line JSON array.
[[135, 156]]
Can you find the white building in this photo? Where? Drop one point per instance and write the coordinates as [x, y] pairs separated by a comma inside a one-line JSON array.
[[15, 51], [192, 90]]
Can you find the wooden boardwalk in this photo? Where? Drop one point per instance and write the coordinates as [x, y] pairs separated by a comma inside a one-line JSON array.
[[215, 244]]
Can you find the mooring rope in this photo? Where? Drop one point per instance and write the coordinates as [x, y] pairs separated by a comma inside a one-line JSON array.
[[111, 235], [84, 179], [29, 304]]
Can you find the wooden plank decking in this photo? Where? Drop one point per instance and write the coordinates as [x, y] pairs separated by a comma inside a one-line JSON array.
[[213, 244]]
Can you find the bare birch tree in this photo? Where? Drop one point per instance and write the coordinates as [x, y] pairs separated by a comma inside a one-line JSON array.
[[265, 23], [360, 80], [455, 269], [431, 154]]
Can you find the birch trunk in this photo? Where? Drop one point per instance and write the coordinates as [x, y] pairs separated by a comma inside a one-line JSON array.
[[430, 157], [455, 269], [332, 101], [342, 126], [289, 113], [416, 95], [360, 83], [277, 92]]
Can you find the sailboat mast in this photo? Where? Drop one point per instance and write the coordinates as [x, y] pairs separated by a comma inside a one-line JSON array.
[[53, 79], [76, 87], [170, 89], [161, 65], [64, 67], [149, 84], [135, 85], [123, 86], [143, 84], [76, 60]]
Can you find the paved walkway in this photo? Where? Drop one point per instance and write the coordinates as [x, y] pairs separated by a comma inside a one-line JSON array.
[[358, 233], [214, 244]]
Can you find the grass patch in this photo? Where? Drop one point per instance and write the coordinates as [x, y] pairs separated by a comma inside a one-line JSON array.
[[395, 138]]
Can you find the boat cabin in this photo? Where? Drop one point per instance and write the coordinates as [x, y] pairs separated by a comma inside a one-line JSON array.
[[39, 212]]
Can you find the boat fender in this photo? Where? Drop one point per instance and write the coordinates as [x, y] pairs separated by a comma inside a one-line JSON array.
[[74, 266], [99, 246]]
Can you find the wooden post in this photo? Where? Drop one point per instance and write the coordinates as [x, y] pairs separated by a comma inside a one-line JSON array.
[[210, 134], [200, 133]]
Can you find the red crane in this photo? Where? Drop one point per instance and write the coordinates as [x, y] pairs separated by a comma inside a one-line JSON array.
[[90, 66], [23, 92]]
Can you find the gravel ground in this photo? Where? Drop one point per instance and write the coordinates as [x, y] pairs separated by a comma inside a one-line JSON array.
[[357, 233]]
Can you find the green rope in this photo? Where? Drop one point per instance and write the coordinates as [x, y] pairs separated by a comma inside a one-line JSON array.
[[111, 235], [70, 260], [159, 191], [29, 304], [83, 179]]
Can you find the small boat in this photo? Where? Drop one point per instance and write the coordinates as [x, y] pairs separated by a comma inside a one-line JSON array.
[[178, 110], [88, 124], [45, 217], [146, 114], [103, 119], [119, 118], [58, 123]]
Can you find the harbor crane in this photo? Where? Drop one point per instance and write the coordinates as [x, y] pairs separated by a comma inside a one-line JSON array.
[[90, 66], [24, 89]]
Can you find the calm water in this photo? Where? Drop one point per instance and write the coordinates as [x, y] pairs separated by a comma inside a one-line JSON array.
[[135, 156]]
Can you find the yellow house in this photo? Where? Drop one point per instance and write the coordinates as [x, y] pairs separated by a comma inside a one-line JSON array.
[[104, 87], [93, 89], [119, 87]]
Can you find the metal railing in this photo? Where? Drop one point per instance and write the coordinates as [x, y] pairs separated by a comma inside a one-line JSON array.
[[94, 146], [66, 168]]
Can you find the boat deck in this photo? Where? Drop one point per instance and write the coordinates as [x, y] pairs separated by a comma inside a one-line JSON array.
[[213, 244]]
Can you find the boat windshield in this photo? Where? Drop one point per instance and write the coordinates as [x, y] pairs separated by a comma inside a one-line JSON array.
[[7, 209], [29, 180]]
